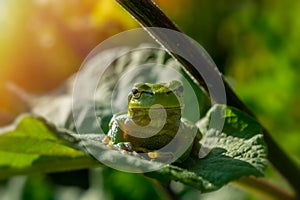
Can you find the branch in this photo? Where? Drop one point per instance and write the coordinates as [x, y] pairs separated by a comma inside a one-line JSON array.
[[149, 15]]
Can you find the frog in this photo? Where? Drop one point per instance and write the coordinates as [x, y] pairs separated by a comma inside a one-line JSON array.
[[153, 120]]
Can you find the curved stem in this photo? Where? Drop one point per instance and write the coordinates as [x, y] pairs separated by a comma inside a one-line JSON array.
[[149, 15]]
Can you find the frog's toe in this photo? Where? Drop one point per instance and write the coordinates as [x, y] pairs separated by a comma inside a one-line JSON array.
[[106, 140], [160, 156], [153, 154]]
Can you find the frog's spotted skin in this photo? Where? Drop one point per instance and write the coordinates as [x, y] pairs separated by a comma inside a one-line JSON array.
[[154, 115]]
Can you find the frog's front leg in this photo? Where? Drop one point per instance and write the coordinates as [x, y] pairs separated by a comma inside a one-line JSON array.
[[115, 136], [115, 132]]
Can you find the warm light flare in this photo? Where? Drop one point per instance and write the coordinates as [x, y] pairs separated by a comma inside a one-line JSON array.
[[43, 42]]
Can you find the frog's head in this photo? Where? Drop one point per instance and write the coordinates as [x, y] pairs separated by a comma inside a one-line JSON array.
[[144, 95]]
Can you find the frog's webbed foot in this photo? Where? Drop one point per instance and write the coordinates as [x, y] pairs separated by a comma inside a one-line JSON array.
[[123, 147]]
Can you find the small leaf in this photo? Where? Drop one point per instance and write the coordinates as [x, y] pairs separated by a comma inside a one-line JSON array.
[[239, 149], [240, 139]]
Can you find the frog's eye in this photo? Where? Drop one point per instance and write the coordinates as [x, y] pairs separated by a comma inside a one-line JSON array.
[[134, 91], [177, 90], [180, 89]]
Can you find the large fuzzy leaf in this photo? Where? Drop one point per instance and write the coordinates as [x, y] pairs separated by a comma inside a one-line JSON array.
[[34, 145]]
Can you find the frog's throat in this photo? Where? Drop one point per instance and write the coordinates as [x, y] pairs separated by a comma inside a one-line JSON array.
[[141, 115]]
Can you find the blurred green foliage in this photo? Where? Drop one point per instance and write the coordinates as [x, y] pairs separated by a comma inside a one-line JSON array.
[[255, 43]]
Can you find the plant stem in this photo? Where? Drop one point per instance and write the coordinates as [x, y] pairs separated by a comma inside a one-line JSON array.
[[149, 15]]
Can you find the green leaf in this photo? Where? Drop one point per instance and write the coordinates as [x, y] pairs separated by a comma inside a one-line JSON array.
[[239, 150], [241, 138], [35, 145], [30, 146]]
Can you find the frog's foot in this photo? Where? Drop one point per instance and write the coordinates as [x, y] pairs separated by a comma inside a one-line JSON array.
[[160, 156], [126, 146], [106, 140], [123, 147]]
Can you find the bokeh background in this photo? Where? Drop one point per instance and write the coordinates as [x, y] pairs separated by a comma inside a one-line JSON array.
[[255, 43]]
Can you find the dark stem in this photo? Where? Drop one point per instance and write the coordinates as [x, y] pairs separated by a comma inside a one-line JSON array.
[[149, 15]]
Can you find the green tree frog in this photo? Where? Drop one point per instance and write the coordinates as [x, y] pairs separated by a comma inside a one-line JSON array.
[[152, 121]]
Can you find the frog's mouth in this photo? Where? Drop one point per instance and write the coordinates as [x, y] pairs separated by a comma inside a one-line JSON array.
[[157, 110]]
